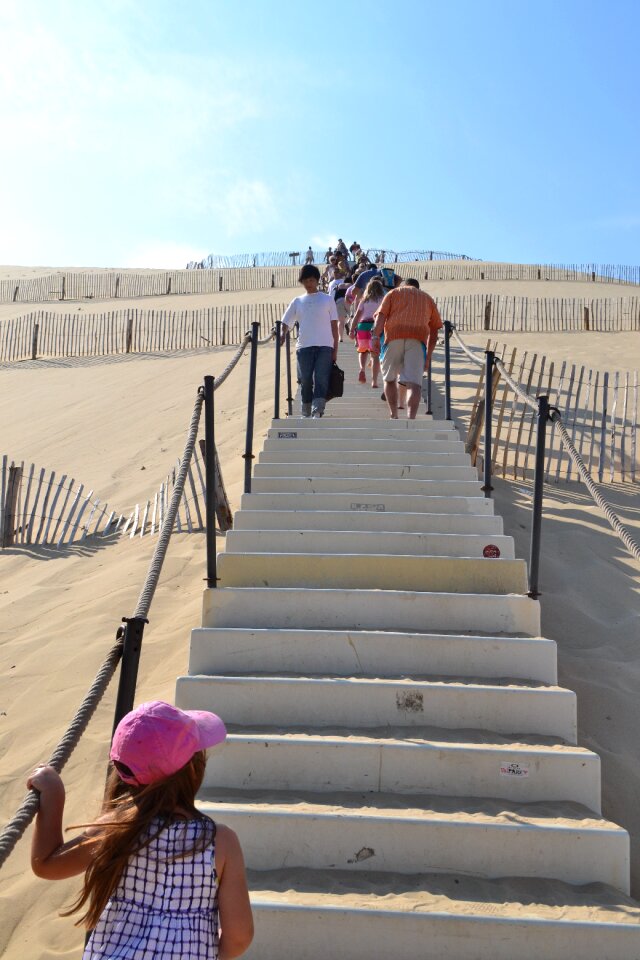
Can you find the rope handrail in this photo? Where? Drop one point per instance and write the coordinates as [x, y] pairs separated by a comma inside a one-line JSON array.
[[25, 813], [554, 415], [18, 824]]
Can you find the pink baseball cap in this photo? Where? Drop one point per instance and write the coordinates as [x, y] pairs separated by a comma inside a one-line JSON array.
[[156, 740]]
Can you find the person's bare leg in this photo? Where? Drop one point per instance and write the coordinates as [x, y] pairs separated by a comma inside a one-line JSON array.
[[413, 400], [341, 323], [391, 395], [402, 396], [375, 372]]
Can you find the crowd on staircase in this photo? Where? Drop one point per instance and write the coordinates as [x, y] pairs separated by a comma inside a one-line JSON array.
[[393, 323]]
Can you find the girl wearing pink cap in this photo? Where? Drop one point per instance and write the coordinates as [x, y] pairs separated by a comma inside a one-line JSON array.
[[161, 879]]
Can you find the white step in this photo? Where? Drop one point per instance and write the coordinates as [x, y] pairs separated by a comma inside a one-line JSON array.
[[386, 445], [560, 841], [374, 471], [367, 543], [357, 916], [368, 503], [367, 520], [406, 761], [347, 430], [418, 427], [415, 457], [499, 706], [427, 488], [341, 609], [375, 571], [351, 653]]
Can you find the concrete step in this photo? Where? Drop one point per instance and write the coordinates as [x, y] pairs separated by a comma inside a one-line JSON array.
[[386, 445], [500, 706], [415, 457], [341, 609], [367, 543], [560, 841], [427, 488], [365, 916], [369, 503], [299, 429], [374, 471], [424, 425], [406, 760], [376, 571], [357, 520], [373, 653]]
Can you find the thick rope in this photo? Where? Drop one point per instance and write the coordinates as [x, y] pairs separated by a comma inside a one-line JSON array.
[[623, 532], [466, 349], [29, 807]]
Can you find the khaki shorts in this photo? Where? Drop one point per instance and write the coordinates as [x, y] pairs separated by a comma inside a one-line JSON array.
[[403, 358]]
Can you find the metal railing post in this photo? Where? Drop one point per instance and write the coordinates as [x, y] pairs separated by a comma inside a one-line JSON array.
[[490, 359], [131, 648], [448, 328], [276, 396], [429, 410], [210, 480], [251, 403], [288, 356], [538, 488]]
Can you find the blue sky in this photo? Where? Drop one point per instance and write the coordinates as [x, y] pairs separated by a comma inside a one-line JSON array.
[[148, 132]]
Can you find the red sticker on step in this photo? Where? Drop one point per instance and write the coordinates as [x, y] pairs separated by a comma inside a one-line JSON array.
[[491, 550]]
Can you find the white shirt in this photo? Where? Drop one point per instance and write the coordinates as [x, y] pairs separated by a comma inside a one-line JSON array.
[[313, 312]]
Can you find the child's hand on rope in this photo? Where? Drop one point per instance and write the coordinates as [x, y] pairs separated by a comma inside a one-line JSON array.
[[47, 782]]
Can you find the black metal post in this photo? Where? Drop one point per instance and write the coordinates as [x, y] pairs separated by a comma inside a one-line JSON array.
[[289, 397], [490, 359], [210, 481], [538, 487], [448, 327], [429, 410], [276, 397], [251, 403], [131, 648]]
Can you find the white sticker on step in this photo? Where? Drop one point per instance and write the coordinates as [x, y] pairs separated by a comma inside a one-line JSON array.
[[377, 507], [514, 769], [287, 435]]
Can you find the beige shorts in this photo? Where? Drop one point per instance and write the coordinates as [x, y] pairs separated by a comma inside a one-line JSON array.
[[403, 358]]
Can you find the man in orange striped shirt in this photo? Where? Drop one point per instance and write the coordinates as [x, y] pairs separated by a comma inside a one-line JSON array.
[[410, 321]]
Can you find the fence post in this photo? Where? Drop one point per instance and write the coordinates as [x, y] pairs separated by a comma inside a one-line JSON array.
[[586, 318], [448, 327], [64, 287], [490, 359], [129, 331], [276, 396], [288, 357], [210, 481], [538, 489], [248, 447], [131, 648], [34, 341], [487, 315], [117, 290], [10, 521]]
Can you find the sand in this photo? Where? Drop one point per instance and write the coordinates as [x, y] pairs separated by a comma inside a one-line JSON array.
[[105, 419]]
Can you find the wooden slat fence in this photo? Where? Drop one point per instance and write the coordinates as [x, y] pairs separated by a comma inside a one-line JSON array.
[[46, 334], [38, 507], [599, 410], [108, 285]]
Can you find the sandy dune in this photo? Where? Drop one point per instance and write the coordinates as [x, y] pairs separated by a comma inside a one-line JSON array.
[[103, 420]]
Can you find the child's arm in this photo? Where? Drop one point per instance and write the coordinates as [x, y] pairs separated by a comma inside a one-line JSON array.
[[51, 858], [236, 921]]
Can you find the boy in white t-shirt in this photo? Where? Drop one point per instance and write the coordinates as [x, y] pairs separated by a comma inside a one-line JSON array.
[[317, 318]]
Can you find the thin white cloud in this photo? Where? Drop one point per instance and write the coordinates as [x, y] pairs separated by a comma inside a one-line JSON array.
[[325, 241], [247, 206]]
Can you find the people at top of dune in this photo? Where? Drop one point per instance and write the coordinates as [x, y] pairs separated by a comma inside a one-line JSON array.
[[309, 256]]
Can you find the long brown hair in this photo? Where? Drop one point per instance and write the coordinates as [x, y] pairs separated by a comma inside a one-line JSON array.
[[132, 810], [374, 290]]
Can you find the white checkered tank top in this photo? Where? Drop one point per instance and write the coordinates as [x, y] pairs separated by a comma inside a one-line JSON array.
[[166, 902]]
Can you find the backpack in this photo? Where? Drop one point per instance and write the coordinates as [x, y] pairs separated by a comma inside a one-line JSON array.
[[388, 277]]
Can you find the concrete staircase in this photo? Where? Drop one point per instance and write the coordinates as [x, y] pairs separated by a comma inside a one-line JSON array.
[[402, 767]]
